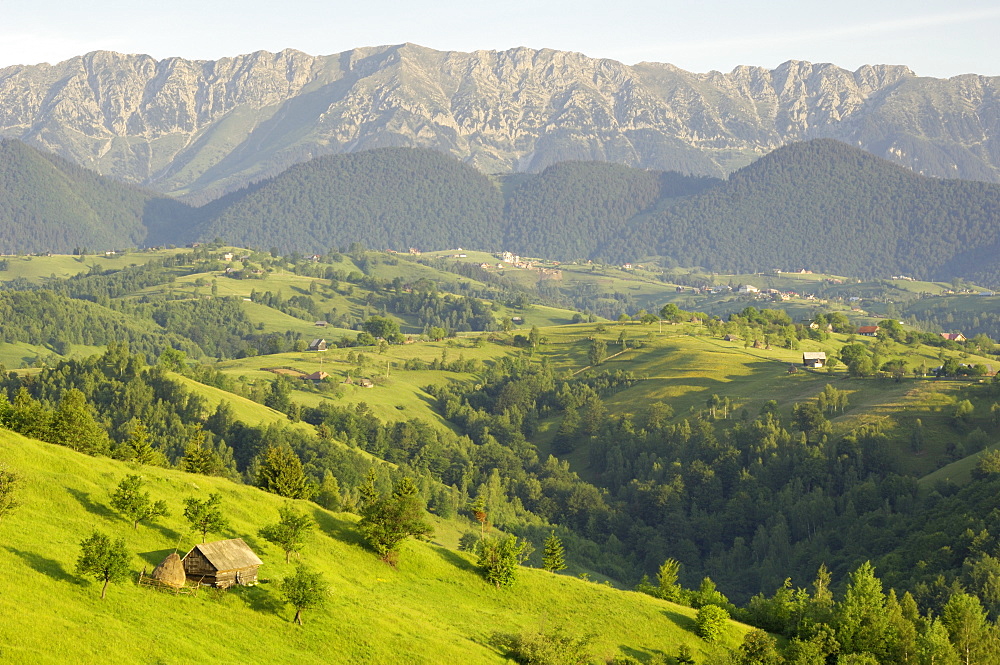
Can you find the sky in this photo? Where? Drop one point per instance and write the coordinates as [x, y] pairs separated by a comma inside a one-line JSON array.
[[939, 39]]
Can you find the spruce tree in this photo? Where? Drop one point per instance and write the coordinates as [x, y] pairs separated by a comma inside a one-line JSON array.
[[554, 555]]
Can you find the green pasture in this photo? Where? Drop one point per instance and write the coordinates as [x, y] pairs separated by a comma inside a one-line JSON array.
[[433, 607], [40, 268]]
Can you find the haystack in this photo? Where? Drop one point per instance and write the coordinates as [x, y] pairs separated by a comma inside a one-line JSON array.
[[170, 571]]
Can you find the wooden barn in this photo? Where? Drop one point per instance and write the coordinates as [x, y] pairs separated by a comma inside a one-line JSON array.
[[222, 564], [813, 358]]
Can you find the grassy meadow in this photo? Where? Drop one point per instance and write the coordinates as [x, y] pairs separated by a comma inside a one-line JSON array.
[[434, 607]]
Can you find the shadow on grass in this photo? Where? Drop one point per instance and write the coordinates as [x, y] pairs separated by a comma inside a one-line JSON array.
[[156, 557], [40, 564], [456, 560], [644, 656], [165, 531], [339, 529], [684, 622], [259, 598], [94, 508]]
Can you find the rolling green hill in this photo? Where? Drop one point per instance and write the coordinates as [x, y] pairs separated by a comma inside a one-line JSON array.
[[48, 204], [386, 199], [828, 207], [433, 606]]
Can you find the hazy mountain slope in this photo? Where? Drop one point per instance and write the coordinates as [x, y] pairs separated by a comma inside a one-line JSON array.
[[48, 204], [828, 207], [391, 198], [201, 128], [570, 209]]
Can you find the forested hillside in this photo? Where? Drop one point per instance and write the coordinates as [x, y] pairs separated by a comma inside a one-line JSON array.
[[49, 204], [828, 207], [821, 205], [392, 198], [570, 209]]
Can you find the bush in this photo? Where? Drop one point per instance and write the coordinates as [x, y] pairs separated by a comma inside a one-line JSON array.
[[554, 647], [710, 622]]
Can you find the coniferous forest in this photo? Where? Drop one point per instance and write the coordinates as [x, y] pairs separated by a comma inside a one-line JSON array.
[[822, 205]]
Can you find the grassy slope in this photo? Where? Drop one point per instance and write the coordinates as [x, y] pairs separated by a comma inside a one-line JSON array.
[[433, 608], [684, 369]]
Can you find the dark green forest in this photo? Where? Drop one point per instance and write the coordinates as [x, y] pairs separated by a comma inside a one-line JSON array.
[[821, 205], [392, 198], [48, 204]]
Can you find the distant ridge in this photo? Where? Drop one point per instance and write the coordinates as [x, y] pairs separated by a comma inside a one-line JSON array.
[[821, 204], [48, 204], [202, 128]]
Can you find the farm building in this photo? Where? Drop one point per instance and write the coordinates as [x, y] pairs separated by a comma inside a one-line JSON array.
[[813, 358], [316, 376], [731, 338], [868, 331], [317, 345], [222, 563], [954, 337]]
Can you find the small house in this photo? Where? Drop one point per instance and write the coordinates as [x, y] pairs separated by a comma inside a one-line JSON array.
[[731, 338], [228, 256], [954, 337], [317, 345], [321, 324], [222, 564], [316, 376], [749, 288], [366, 383], [813, 358], [868, 331]]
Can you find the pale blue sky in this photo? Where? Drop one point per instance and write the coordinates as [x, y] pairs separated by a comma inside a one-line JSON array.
[[933, 38]]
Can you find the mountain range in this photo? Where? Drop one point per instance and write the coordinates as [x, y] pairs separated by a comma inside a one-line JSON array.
[[197, 129], [822, 204]]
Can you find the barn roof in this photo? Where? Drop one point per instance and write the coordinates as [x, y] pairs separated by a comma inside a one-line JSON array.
[[228, 554], [813, 355]]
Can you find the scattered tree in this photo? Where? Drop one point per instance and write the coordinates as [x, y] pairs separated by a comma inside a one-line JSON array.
[[103, 559], [205, 516], [9, 482], [281, 472], [554, 555], [499, 557], [389, 519], [290, 532], [134, 504], [199, 457], [304, 590], [598, 351], [667, 577], [710, 622]]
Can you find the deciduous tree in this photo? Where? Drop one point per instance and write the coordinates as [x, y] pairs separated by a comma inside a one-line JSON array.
[[290, 532], [499, 557], [9, 482], [304, 590], [135, 504], [205, 516], [103, 559], [389, 519]]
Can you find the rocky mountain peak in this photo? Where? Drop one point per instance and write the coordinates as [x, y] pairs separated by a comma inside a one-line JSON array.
[[200, 128]]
